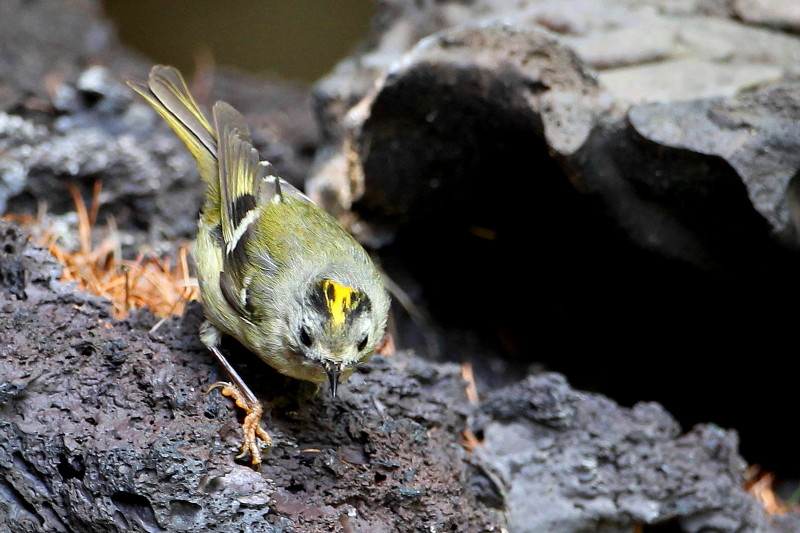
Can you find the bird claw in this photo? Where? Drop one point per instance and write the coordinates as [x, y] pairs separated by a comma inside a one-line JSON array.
[[251, 427]]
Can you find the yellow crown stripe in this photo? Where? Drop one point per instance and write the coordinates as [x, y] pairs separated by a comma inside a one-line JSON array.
[[340, 300]]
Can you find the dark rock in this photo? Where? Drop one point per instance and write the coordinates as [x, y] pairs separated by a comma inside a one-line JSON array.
[[682, 204], [34, 61], [613, 469], [635, 196], [419, 101], [12, 269], [106, 425], [552, 405], [122, 437], [755, 133], [451, 83], [469, 136], [25, 268]]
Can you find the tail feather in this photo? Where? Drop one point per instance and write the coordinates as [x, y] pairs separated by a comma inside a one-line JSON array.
[[238, 183], [166, 91]]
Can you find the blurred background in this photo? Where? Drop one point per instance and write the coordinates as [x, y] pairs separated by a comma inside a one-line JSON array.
[[298, 40]]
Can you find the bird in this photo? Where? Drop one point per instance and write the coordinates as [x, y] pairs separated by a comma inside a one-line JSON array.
[[275, 270]]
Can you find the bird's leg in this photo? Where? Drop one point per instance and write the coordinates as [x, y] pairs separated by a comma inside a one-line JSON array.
[[241, 394]]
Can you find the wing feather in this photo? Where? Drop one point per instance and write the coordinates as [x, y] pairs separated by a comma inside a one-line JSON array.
[[238, 172]]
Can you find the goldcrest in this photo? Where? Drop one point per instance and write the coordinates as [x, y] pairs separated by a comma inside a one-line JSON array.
[[275, 271]]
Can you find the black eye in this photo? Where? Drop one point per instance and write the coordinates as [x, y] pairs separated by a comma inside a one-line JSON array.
[[363, 343], [305, 338]]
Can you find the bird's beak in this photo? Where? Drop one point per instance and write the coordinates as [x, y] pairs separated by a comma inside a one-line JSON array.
[[334, 371]]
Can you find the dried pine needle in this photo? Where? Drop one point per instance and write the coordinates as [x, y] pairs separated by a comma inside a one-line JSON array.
[[760, 485], [469, 441], [471, 388], [144, 282]]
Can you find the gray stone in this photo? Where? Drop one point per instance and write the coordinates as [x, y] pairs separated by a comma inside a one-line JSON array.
[[625, 46], [689, 51], [643, 471], [774, 13], [755, 132], [685, 79], [732, 42]]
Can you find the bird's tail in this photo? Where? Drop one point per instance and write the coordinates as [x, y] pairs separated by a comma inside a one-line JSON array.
[[166, 91]]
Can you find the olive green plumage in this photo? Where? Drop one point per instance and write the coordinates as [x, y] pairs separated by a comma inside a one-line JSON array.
[[275, 270]]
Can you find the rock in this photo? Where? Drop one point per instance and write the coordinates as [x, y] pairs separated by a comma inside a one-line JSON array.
[[685, 79], [603, 467], [755, 132], [666, 52], [638, 44], [452, 82], [537, 204], [403, 156], [512, 160], [34, 61], [733, 42], [105, 424], [24, 268], [449, 83], [16, 137], [123, 437], [773, 13]]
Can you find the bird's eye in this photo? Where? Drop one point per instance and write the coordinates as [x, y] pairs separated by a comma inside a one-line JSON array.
[[305, 338], [363, 343]]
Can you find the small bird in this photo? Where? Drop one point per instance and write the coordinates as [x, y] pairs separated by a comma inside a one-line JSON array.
[[275, 271]]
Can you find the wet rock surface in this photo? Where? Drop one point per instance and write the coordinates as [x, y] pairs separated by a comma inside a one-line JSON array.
[[644, 153]]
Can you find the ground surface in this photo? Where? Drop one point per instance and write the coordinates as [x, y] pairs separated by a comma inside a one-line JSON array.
[[662, 232]]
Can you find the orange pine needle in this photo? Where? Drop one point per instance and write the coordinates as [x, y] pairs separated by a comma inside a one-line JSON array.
[[95, 208], [760, 485], [152, 282], [471, 388], [84, 225], [470, 442]]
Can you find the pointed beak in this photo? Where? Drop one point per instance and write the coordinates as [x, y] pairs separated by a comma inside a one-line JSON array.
[[334, 371]]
